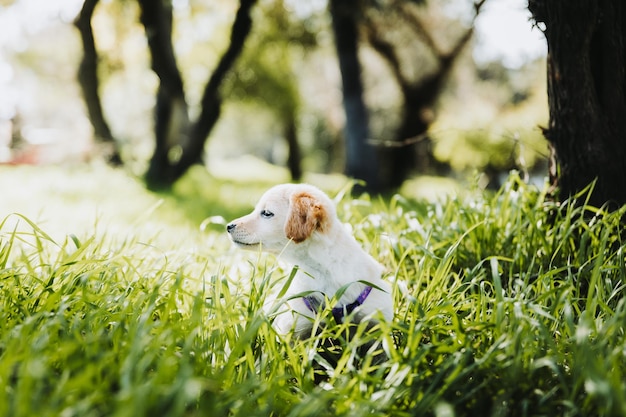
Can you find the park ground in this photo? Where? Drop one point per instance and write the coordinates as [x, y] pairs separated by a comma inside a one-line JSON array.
[[120, 301]]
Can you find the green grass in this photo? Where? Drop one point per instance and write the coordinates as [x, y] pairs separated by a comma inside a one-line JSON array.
[[506, 305]]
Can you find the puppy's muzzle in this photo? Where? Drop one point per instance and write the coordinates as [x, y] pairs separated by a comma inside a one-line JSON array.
[[238, 236]]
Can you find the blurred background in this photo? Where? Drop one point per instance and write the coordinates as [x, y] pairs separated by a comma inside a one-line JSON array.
[[458, 85]]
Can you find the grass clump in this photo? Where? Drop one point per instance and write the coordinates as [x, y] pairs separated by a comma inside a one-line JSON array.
[[506, 305]]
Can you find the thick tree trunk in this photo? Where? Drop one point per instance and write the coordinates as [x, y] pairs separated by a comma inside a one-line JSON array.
[[361, 157], [90, 85], [171, 117], [586, 93]]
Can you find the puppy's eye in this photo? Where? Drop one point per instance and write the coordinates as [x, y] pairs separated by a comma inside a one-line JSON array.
[[266, 214]]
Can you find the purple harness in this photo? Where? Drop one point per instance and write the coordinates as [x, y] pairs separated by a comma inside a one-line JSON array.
[[315, 305]]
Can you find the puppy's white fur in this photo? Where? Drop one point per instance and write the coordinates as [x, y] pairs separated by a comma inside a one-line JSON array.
[[299, 223]]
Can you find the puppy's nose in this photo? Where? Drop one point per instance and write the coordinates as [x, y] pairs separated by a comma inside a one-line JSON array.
[[230, 227]]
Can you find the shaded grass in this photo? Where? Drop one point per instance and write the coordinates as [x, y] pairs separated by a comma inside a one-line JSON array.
[[506, 305]]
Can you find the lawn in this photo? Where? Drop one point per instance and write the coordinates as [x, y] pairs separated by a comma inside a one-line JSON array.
[[115, 301]]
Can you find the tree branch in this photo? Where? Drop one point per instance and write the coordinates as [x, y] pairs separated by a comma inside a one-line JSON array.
[[211, 99]]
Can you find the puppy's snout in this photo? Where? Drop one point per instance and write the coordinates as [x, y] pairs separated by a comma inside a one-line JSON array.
[[230, 227]]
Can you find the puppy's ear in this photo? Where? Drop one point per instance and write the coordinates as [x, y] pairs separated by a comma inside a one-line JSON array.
[[306, 215]]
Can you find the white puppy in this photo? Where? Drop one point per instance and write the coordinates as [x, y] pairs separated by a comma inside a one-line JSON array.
[[299, 223]]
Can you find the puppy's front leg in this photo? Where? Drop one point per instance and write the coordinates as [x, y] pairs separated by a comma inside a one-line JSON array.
[[294, 316]]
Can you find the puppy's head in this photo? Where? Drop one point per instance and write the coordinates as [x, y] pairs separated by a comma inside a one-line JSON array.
[[286, 212]]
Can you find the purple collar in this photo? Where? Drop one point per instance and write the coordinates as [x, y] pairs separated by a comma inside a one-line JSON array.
[[314, 305]]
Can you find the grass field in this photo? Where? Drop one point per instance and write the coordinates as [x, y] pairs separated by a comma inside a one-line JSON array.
[[118, 302]]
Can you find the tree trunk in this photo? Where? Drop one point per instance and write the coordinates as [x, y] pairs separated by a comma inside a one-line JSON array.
[[171, 116], [180, 143], [586, 94], [361, 157], [412, 148], [90, 85], [294, 157], [192, 151]]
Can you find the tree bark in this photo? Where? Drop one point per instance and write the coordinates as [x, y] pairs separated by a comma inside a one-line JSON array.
[[90, 84], [361, 157], [586, 94]]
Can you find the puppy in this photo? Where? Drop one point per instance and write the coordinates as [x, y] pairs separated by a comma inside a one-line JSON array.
[[298, 222]]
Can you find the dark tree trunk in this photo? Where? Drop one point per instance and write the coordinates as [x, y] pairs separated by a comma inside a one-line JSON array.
[[89, 82], [171, 117], [180, 143], [586, 94], [294, 157], [361, 157]]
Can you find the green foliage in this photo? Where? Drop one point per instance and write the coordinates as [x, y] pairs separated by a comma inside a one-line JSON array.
[[501, 131], [506, 304], [265, 73]]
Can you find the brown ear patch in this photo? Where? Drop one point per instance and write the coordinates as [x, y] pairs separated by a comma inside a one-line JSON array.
[[306, 214]]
